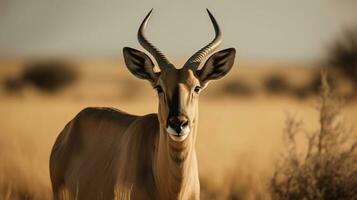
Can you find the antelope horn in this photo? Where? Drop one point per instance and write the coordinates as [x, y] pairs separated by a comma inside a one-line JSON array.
[[155, 52], [195, 60]]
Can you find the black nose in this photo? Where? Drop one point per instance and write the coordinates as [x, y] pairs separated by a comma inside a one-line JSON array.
[[178, 123]]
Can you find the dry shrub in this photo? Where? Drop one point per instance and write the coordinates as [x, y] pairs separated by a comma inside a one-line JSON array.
[[328, 167]]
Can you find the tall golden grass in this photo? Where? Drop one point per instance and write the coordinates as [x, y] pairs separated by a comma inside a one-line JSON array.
[[239, 139]]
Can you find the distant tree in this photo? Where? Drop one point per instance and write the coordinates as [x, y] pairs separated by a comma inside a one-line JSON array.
[[343, 54]]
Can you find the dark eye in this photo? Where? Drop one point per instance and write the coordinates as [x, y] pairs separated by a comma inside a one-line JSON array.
[[158, 89], [197, 89]]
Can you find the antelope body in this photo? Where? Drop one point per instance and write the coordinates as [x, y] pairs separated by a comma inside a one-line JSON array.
[[104, 153]]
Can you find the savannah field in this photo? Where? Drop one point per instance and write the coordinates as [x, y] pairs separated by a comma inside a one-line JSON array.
[[239, 136]]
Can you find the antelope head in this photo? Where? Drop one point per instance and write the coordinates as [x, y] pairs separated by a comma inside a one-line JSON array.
[[178, 88]]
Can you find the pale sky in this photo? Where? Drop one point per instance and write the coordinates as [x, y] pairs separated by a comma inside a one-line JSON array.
[[288, 30]]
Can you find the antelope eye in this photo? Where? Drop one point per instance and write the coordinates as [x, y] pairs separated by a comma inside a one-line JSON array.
[[159, 89], [197, 89]]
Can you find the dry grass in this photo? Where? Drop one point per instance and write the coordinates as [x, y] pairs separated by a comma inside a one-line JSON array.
[[238, 140]]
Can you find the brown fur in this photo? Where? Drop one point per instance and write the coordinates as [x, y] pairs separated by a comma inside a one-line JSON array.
[[105, 153]]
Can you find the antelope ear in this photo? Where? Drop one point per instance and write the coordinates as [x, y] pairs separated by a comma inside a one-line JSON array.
[[139, 64], [217, 65]]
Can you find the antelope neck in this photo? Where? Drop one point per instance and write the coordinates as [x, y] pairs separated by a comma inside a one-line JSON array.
[[175, 168]]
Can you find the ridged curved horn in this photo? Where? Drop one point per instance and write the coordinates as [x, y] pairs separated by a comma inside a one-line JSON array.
[[195, 60], [155, 52]]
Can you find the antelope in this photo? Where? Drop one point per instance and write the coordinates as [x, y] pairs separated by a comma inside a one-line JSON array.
[[105, 153]]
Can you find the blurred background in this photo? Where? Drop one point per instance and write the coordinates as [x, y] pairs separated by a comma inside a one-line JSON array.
[[58, 57]]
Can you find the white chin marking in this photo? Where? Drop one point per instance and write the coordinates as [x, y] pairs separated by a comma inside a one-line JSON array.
[[175, 136]]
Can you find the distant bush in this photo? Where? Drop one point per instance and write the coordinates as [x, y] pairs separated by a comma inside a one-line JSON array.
[[302, 92], [13, 84], [312, 87], [238, 88], [50, 75], [276, 84], [327, 170], [343, 54]]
